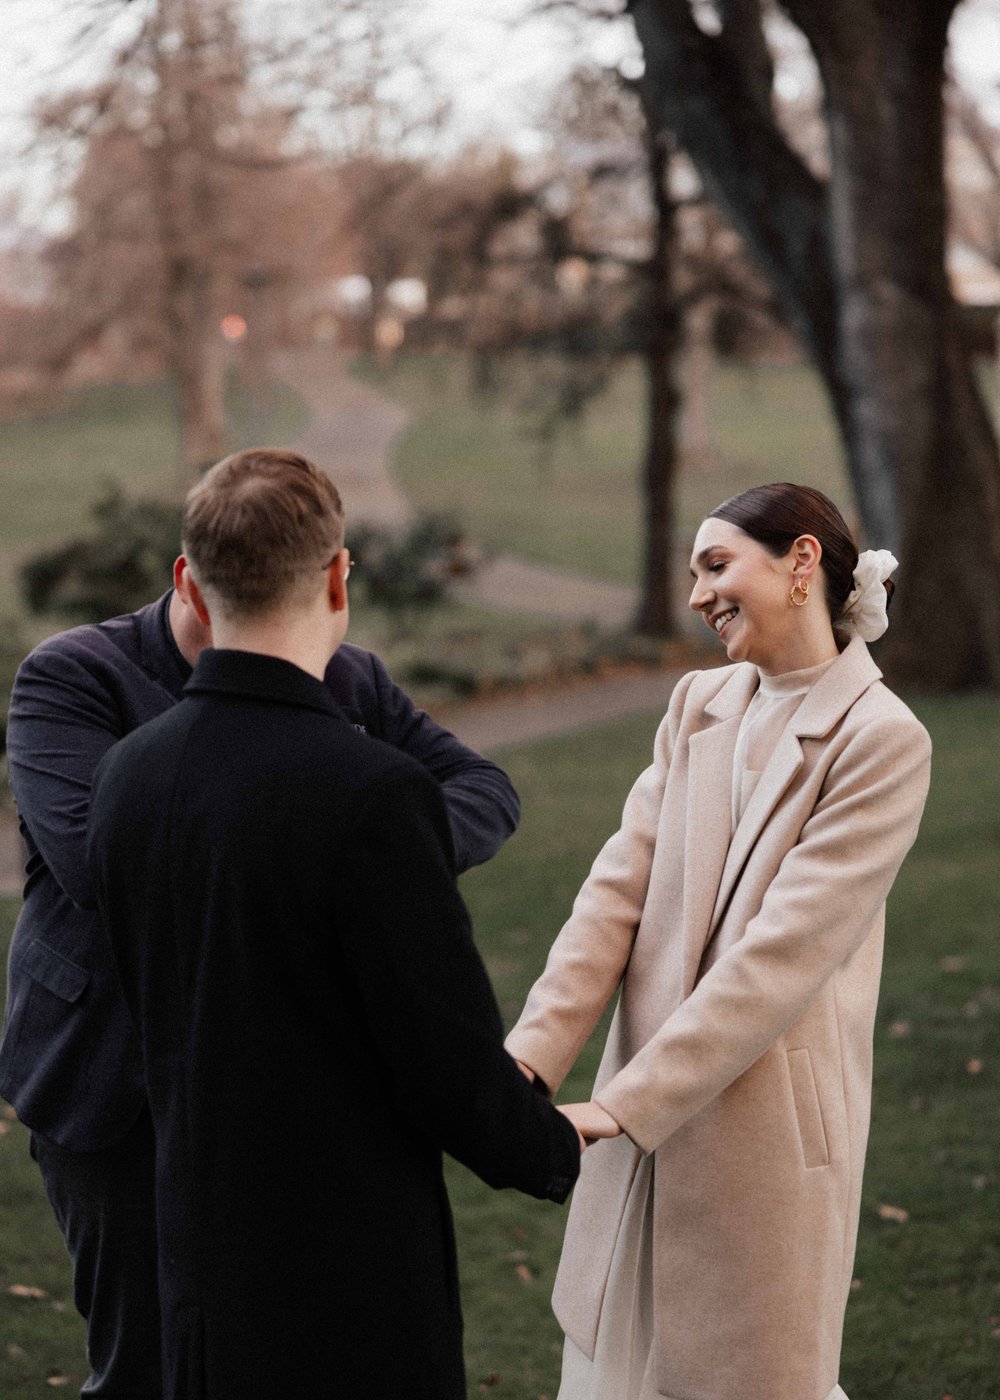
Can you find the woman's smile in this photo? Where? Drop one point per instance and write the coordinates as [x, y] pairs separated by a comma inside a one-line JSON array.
[[720, 621]]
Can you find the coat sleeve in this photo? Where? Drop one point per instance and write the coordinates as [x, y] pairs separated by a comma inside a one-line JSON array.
[[817, 911], [483, 807], [588, 959], [62, 723], [428, 1001]]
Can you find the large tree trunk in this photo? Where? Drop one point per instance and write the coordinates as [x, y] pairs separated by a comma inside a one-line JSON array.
[[915, 414], [656, 615], [859, 267]]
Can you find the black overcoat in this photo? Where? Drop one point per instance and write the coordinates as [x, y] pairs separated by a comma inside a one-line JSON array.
[[316, 1026]]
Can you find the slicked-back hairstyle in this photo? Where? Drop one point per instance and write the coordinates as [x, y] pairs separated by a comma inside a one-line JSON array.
[[258, 529], [776, 515]]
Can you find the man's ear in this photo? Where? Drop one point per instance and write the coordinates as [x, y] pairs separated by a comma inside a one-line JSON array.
[[188, 590], [336, 581]]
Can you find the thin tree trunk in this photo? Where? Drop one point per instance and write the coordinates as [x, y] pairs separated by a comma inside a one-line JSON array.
[[197, 367], [656, 615], [184, 207]]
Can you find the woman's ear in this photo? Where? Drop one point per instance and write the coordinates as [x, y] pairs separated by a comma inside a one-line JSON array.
[[805, 555]]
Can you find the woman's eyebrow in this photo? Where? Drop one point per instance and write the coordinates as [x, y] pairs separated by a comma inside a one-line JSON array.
[[703, 556]]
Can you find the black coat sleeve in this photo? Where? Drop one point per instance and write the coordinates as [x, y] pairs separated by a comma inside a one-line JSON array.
[[428, 1001], [483, 807]]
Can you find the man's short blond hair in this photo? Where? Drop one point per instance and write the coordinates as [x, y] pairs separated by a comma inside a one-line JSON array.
[[259, 528]]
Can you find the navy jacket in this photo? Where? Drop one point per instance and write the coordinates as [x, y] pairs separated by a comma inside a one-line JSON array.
[[316, 1027], [69, 1062]]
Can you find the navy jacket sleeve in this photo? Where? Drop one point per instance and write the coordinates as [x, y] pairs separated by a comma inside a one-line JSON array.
[[430, 1006], [63, 720], [483, 808]]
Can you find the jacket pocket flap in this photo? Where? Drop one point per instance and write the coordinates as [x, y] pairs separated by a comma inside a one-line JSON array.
[[60, 976]]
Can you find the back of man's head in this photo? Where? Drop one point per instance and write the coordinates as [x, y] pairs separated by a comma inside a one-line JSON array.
[[259, 529]]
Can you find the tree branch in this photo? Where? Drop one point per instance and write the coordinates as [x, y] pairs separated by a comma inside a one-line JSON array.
[[702, 95]]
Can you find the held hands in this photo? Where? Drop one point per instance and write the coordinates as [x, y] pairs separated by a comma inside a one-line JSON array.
[[591, 1122]]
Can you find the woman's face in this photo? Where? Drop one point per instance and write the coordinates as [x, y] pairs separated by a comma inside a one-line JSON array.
[[742, 591]]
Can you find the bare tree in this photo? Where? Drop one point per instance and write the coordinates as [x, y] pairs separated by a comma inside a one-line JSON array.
[[203, 187]]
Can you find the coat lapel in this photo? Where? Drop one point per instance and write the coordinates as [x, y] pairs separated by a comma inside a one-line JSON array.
[[708, 829], [829, 699]]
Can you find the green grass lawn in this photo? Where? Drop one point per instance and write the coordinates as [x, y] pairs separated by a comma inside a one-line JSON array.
[[924, 1319], [475, 457]]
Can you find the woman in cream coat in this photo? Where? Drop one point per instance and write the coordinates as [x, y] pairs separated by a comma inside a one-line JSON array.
[[740, 909]]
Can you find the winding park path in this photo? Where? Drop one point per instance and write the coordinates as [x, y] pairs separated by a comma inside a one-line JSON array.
[[351, 433]]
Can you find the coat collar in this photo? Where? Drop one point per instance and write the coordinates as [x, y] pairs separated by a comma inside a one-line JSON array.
[[253, 676], [832, 696], [719, 852]]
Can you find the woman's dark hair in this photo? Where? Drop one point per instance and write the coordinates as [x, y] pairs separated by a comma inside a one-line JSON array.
[[777, 514]]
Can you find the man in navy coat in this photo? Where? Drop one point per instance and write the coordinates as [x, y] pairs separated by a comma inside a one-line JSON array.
[[69, 1059], [315, 1023]]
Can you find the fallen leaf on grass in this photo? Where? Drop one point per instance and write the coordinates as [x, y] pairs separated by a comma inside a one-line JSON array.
[[898, 1030], [896, 1213], [954, 962], [10, 1113], [856, 1285], [974, 1066], [979, 1182], [25, 1290], [14, 1350], [488, 1382], [524, 1273], [4, 1129], [56, 1379]]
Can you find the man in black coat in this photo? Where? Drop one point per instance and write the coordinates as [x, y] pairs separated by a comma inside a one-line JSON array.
[[316, 1025], [69, 1059]]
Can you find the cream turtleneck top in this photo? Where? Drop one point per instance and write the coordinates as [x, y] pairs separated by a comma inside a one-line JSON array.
[[773, 705]]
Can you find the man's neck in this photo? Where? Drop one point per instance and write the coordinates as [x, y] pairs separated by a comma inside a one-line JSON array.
[[296, 639]]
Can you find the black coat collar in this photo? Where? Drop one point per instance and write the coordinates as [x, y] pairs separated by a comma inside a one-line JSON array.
[[252, 675]]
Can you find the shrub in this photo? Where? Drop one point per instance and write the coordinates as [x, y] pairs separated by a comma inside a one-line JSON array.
[[121, 564]]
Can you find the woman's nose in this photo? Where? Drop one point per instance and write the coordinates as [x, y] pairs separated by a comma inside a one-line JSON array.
[[699, 597]]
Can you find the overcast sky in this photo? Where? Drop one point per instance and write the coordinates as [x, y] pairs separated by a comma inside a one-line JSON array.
[[496, 72]]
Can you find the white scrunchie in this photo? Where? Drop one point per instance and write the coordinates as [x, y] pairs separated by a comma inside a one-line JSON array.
[[865, 609]]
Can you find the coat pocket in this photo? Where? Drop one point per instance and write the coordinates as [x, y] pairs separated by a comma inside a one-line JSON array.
[[57, 974], [808, 1113]]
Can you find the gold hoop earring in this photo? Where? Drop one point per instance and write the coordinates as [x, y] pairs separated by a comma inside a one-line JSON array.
[[799, 586]]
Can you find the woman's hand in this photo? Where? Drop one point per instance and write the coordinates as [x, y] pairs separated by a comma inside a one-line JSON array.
[[591, 1121]]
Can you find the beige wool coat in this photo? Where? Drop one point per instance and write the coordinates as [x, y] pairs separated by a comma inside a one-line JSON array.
[[741, 1049]]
